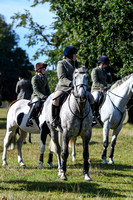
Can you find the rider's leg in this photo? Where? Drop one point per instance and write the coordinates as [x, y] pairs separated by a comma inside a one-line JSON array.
[[56, 108], [29, 120], [95, 107], [32, 111]]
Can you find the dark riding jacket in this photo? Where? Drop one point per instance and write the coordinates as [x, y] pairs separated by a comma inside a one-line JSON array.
[[99, 80], [40, 86], [65, 69]]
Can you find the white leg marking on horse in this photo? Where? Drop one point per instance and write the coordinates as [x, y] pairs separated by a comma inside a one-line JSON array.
[[87, 177]]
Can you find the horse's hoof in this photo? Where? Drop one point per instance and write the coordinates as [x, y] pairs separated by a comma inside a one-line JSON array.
[[51, 166], [104, 161], [63, 177], [22, 164], [73, 159], [87, 178], [111, 161], [59, 173], [4, 163], [40, 166]]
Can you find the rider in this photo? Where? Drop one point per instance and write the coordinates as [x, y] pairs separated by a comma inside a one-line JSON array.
[[65, 69], [100, 76], [40, 90]]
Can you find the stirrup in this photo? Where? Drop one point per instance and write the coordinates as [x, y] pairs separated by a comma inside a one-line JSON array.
[[54, 123], [29, 123]]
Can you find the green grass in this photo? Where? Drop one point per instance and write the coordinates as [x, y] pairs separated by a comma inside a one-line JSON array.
[[108, 181]]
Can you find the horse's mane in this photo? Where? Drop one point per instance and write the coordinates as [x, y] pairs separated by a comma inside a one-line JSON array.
[[82, 69], [119, 82]]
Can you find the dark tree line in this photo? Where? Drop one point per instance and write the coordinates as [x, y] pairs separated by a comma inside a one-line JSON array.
[[13, 60]]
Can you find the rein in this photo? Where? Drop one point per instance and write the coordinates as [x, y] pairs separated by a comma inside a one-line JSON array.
[[80, 118], [122, 113], [118, 95]]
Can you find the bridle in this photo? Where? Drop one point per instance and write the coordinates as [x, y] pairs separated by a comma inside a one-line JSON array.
[[79, 85]]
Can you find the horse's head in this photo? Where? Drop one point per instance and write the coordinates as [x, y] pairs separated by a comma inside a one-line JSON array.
[[80, 82]]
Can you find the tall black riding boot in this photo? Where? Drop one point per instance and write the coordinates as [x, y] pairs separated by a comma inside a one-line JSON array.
[[29, 120], [55, 115]]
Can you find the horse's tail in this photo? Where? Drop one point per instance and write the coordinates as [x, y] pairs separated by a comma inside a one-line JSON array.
[[12, 142], [12, 103], [72, 140], [52, 144]]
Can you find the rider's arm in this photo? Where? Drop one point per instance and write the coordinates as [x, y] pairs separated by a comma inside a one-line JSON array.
[[62, 76]]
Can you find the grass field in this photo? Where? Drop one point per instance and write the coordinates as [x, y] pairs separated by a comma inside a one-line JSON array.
[[108, 181]]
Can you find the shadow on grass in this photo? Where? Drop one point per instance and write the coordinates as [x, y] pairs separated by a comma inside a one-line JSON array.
[[89, 189], [118, 167]]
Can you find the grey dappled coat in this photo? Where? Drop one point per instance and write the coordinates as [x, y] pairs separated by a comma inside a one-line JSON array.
[[99, 78], [24, 89], [65, 71], [40, 87]]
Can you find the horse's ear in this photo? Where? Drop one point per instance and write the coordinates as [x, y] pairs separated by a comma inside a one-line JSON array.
[[87, 63]]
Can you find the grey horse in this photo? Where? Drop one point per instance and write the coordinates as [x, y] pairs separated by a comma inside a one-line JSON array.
[[75, 120]]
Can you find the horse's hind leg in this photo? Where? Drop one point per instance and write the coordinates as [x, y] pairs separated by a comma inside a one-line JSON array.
[[86, 158], [30, 138], [20, 140], [65, 153], [7, 141], [113, 143], [55, 147], [43, 137]]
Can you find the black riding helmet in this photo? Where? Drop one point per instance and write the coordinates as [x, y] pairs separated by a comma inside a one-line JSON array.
[[69, 51], [104, 59]]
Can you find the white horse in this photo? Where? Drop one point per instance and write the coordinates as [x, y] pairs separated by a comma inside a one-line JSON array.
[[75, 119], [17, 116], [113, 112]]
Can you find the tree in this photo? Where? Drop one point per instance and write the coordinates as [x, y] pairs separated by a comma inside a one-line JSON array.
[[12, 60], [96, 27]]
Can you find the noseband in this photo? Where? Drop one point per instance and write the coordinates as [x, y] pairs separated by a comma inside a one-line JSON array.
[[79, 85]]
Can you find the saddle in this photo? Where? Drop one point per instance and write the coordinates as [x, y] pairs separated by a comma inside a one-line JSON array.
[[101, 99]]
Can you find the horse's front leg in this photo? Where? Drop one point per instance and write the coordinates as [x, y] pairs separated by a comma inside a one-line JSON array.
[[86, 158], [65, 153], [106, 128], [113, 143], [20, 140]]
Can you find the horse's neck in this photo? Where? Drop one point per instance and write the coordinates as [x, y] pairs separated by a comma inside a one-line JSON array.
[[120, 97], [80, 108]]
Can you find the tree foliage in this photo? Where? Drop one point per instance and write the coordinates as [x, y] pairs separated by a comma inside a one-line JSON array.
[[12, 60], [95, 27]]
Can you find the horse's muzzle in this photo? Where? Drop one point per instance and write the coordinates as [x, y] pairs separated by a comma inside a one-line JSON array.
[[82, 99]]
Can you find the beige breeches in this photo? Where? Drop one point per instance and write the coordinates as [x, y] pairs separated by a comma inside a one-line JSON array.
[[56, 98]]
